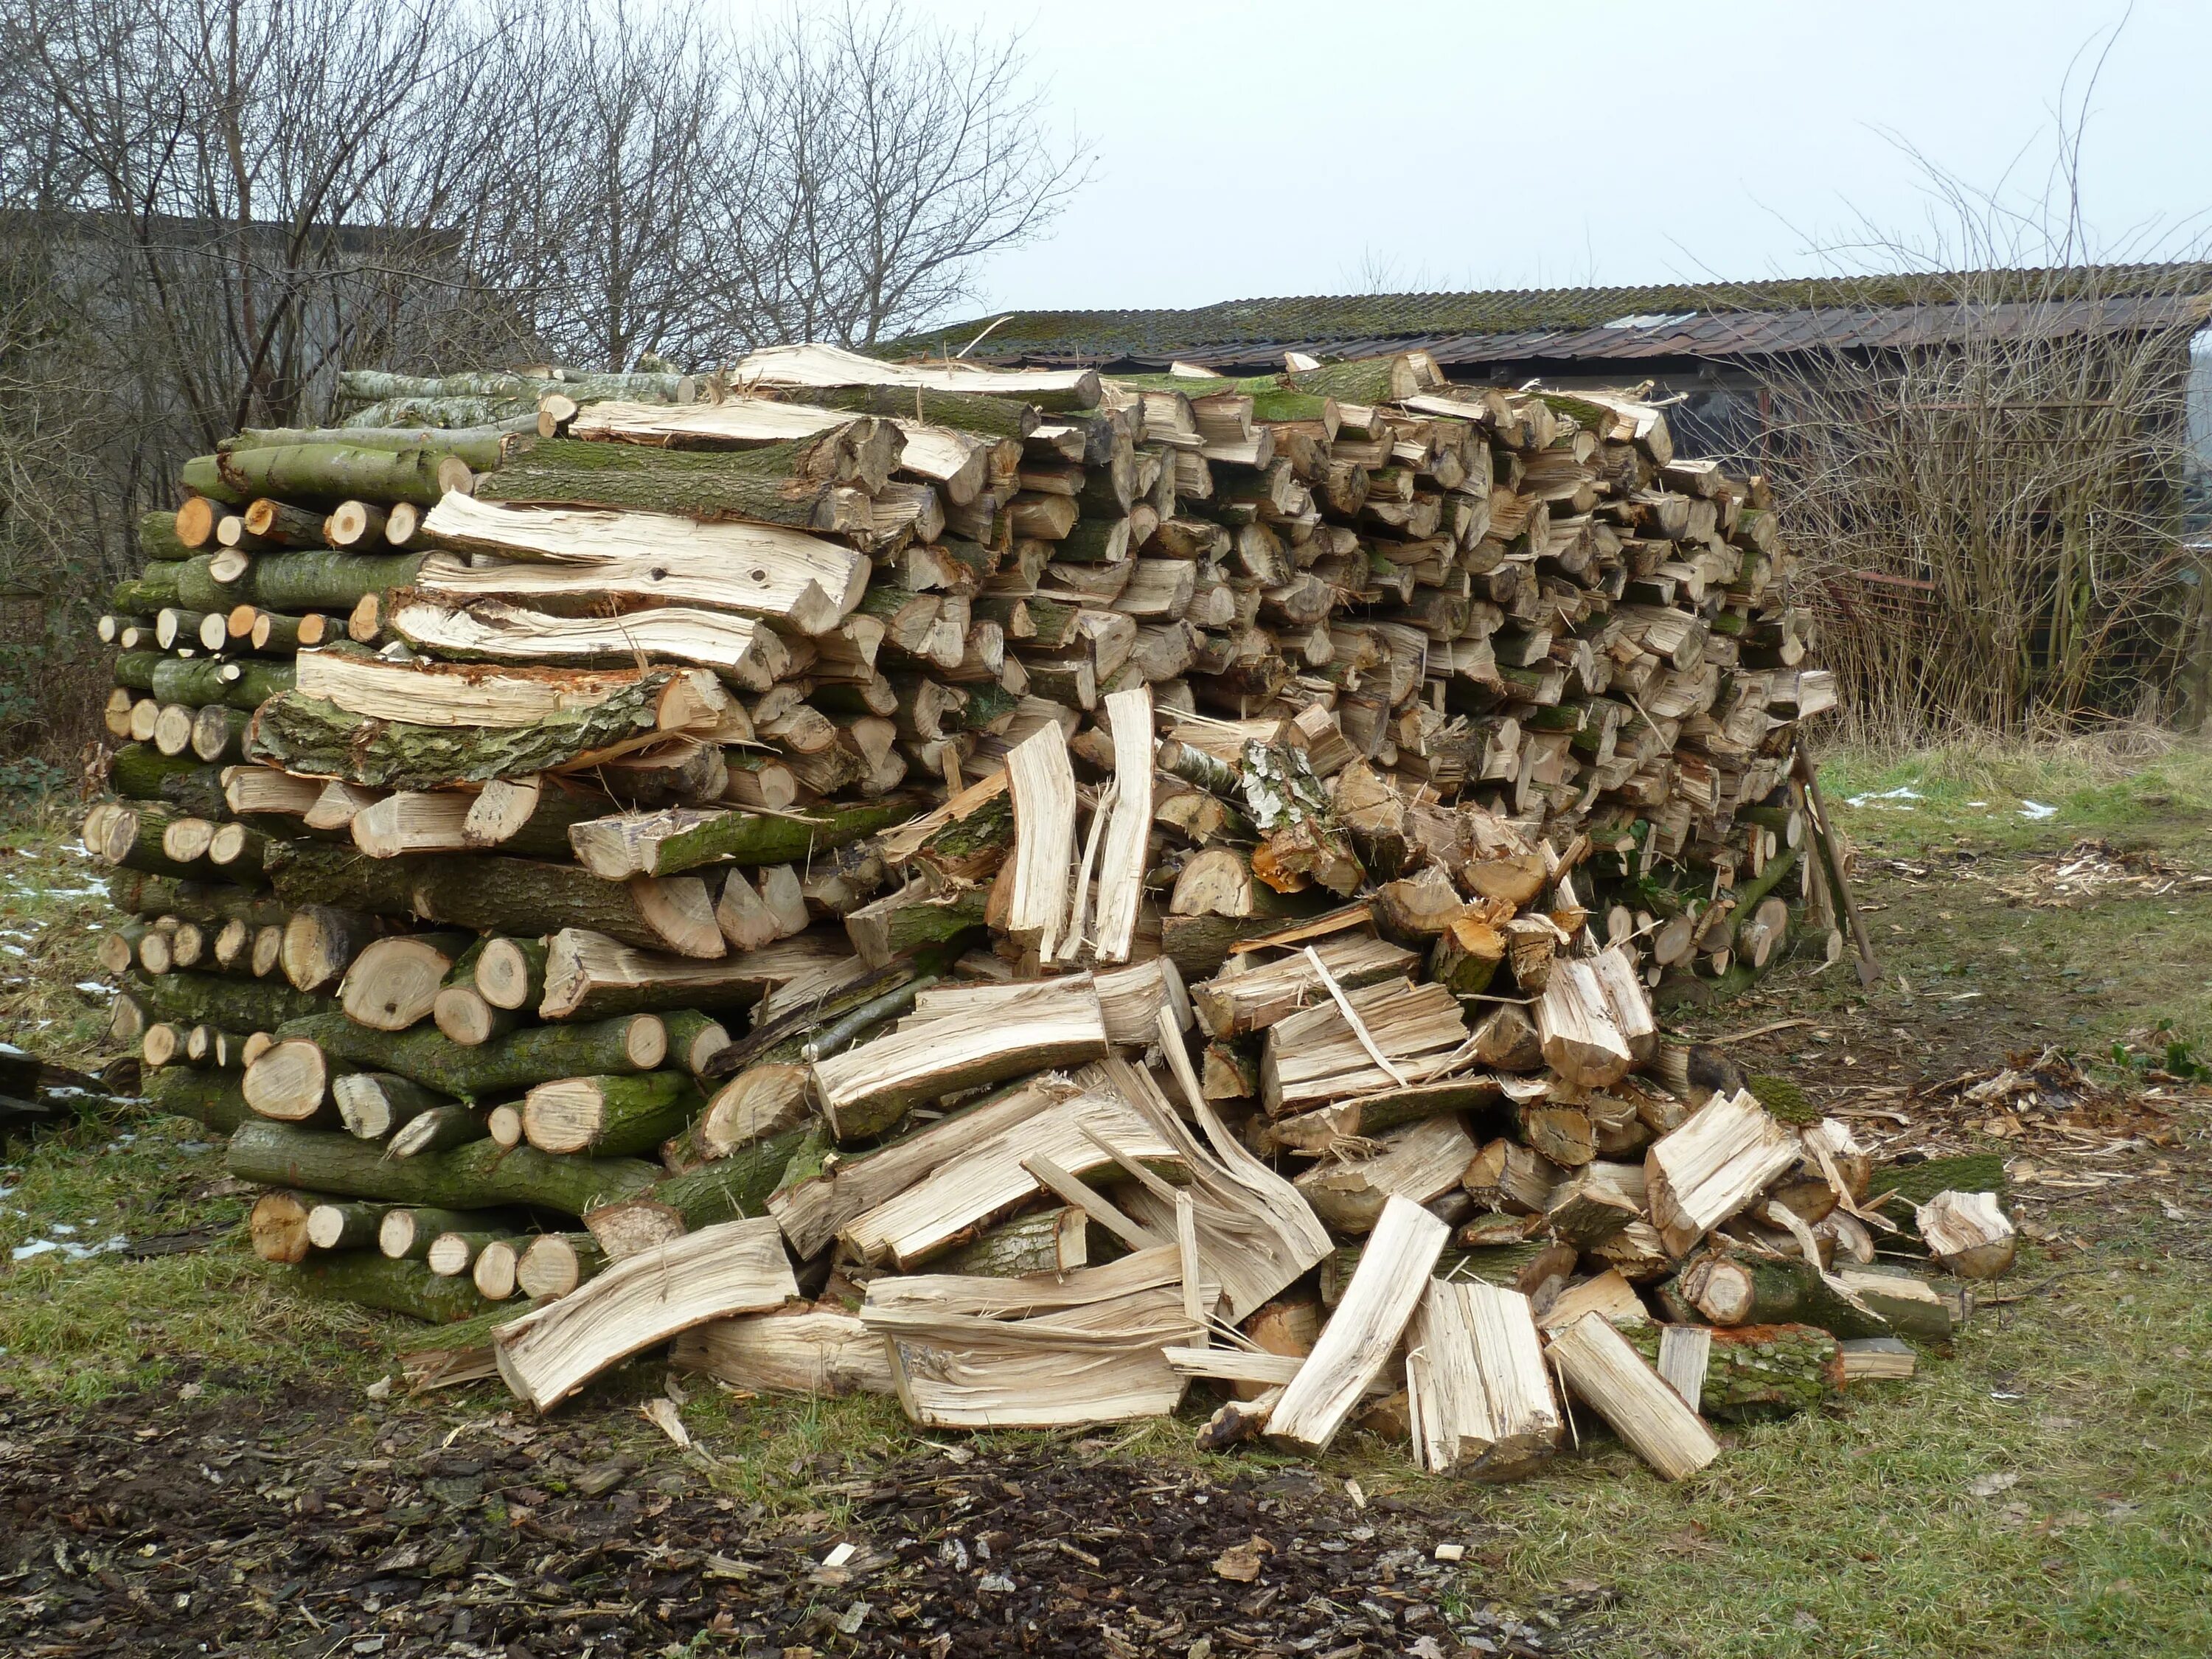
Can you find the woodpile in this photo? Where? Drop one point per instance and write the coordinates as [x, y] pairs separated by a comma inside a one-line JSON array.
[[1015, 889]]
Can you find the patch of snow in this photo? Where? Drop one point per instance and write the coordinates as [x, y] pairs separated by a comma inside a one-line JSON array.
[[93, 987], [2035, 811], [36, 1247], [1903, 791]]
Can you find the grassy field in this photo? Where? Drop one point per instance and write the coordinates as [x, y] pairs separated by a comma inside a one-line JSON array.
[[2044, 1489]]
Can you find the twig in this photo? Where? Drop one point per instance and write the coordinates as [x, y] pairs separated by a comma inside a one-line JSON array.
[[1758, 1030]]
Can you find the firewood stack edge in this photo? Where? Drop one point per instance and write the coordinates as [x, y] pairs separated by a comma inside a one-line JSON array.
[[1016, 888]]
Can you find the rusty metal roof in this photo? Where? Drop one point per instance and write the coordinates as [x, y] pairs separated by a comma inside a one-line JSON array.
[[1718, 320]]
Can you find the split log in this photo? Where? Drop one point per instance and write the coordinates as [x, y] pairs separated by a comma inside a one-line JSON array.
[[1713, 1166], [1358, 1341], [1598, 1363], [1967, 1233], [743, 651], [820, 1351], [1480, 1397], [659, 556], [866, 1089], [737, 1267]]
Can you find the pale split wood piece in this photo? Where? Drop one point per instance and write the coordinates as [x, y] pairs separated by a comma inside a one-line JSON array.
[[1684, 1351], [734, 1268], [1476, 1385], [1361, 1335], [1126, 853], [1596, 1362], [1043, 1351], [1043, 788], [1720, 1159], [820, 1350]]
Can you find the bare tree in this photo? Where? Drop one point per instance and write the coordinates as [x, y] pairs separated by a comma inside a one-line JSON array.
[[609, 163], [875, 160]]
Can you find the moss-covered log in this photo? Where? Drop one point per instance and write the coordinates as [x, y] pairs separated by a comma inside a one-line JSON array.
[[298, 582], [482, 1175], [138, 771], [368, 1280], [725, 1190], [212, 1098], [667, 842], [1759, 1370], [508, 1064], [610, 1116], [960, 412], [237, 684], [1976, 1172], [1745, 1290], [310, 735], [785, 484], [478, 446], [483, 893], [144, 894], [153, 589]]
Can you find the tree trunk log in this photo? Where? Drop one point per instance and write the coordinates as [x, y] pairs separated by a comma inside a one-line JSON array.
[[479, 1176], [335, 473], [797, 483], [522, 1060], [368, 1280]]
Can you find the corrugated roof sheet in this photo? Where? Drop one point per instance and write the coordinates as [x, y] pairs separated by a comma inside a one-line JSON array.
[[1719, 320]]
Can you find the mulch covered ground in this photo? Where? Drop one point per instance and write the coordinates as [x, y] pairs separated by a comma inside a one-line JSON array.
[[150, 1527]]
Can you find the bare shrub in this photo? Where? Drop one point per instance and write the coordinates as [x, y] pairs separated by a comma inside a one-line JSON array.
[[1990, 502]]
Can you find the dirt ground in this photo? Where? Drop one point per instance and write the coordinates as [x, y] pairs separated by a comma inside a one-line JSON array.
[[195, 1519], [152, 1527]]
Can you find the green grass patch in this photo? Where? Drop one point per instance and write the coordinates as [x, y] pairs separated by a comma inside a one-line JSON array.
[[2138, 788]]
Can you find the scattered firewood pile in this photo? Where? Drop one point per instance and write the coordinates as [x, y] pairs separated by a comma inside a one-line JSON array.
[[1014, 888]]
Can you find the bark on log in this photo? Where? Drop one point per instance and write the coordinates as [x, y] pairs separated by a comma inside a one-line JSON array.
[[479, 1176], [520, 1060], [315, 737], [797, 483], [336, 472], [367, 1280], [483, 893], [683, 838]]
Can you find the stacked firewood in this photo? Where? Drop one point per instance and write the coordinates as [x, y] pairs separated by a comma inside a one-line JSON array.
[[1088, 884]]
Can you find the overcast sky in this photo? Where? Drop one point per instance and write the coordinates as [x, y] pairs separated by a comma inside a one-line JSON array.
[[1303, 146]]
